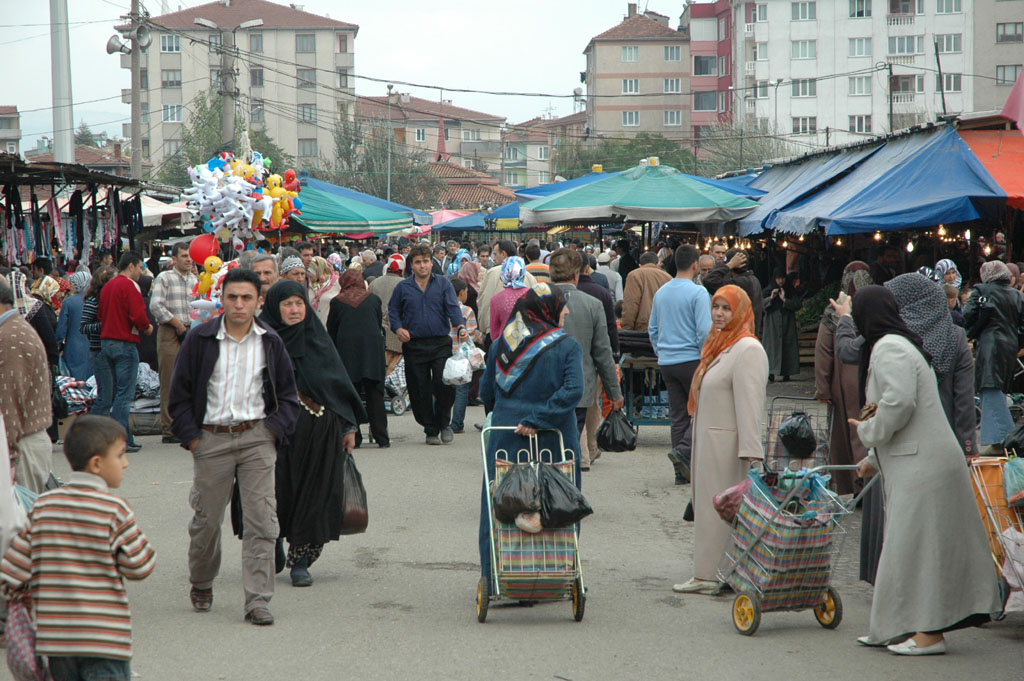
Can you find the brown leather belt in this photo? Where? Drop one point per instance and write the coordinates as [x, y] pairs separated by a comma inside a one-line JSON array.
[[236, 428]]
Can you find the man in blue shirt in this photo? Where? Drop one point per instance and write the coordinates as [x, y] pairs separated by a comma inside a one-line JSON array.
[[680, 321], [422, 311]]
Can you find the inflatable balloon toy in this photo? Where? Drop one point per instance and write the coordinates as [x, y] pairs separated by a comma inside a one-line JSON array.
[[211, 266]]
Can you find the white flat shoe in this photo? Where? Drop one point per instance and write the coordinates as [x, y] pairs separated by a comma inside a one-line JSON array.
[[866, 641], [695, 585], [909, 647]]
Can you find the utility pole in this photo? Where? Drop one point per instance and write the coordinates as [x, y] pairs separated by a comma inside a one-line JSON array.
[[390, 135], [227, 88], [60, 70], [136, 57], [942, 82], [827, 135], [889, 65]]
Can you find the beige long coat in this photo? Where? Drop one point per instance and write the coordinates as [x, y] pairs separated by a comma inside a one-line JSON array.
[[727, 428]]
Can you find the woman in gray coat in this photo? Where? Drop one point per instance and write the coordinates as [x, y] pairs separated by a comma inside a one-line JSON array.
[[935, 573]]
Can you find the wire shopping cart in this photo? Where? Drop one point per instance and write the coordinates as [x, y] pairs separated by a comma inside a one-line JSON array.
[[781, 408], [1004, 525], [786, 537], [525, 566]]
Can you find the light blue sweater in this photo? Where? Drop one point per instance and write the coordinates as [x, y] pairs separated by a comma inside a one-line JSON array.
[[680, 320]]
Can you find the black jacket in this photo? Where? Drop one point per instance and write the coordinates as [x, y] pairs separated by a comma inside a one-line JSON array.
[[720, 275], [588, 285], [192, 371], [997, 338]]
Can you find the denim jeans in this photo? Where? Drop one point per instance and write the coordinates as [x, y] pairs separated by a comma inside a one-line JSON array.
[[89, 669], [123, 359], [459, 410], [104, 384], [996, 422]]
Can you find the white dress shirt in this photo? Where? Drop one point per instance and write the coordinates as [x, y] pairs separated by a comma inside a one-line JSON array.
[[235, 391]]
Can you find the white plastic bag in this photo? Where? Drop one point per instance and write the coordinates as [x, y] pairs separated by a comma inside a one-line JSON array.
[[457, 370], [475, 355]]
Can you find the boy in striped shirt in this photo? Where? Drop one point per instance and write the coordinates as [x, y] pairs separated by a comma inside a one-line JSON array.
[[80, 544]]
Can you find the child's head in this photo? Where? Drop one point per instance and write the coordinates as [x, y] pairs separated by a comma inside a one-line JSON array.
[[952, 294], [965, 296], [461, 289], [96, 444]]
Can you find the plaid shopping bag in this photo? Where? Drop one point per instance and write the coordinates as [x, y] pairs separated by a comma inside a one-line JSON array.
[[22, 660]]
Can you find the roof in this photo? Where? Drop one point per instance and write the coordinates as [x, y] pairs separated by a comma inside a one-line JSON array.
[[638, 27], [447, 170], [13, 170], [229, 13], [419, 109], [468, 187], [1002, 154], [86, 156], [6, 110]]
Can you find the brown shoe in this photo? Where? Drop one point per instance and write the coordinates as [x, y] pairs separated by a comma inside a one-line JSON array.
[[202, 599], [261, 617]]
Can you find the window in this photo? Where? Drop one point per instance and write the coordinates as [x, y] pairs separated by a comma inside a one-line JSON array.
[[256, 114], [542, 153], [805, 88], [421, 134], [860, 9], [949, 42], [761, 12], [630, 86], [306, 77], [511, 178], [511, 153], [804, 11], [171, 148], [543, 177], [948, 7], [907, 120], [1007, 74], [343, 112], [342, 78], [215, 42], [761, 51], [256, 42], [256, 76], [215, 79], [170, 43], [701, 131], [950, 82], [909, 6], [172, 113], [307, 113], [673, 53], [1010, 33], [342, 43], [170, 78], [145, 112], [906, 44], [447, 134], [704, 101], [723, 66], [305, 42], [805, 49], [705, 66], [672, 86], [860, 124], [145, 148], [673, 118], [762, 89], [307, 148], [805, 125], [723, 29], [631, 53], [632, 118], [860, 85], [860, 47], [144, 79], [723, 102], [906, 84], [471, 135]]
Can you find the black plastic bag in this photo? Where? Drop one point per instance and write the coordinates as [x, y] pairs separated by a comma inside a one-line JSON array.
[[355, 515], [616, 433], [516, 493], [561, 503], [797, 436]]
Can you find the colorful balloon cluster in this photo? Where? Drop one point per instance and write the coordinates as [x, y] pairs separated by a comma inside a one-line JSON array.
[[205, 249], [235, 197]]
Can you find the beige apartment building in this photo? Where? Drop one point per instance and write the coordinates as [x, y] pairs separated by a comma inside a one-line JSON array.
[[638, 78], [998, 50], [10, 130], [293, 75]]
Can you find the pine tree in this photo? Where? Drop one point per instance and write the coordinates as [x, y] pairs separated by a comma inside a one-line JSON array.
[[83, 135]]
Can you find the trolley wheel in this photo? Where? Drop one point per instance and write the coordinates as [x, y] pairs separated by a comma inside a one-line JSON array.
[[483, 597], [579, 599], [830, 613], [398, 406], [746, 614]]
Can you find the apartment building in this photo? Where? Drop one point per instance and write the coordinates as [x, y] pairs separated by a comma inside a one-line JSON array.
[[819, 71], [471, 138], [638, 77], [528, 154], [998, 50], [711, 31], [10, 130], [293, 75]]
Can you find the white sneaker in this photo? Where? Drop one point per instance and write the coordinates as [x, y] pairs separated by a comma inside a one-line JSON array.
[[909, 647]]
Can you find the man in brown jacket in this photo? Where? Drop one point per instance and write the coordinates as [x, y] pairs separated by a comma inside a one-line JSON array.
[[641, 285]]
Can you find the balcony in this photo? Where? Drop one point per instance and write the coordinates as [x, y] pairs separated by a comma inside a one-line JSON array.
[[905, 59], [903, 97], [748, 30], [10, 134], [751, 67], [482, 148], [900, 20]]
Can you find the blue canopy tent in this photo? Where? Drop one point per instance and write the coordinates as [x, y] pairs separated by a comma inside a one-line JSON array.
[[916, 180], [474, 222], [419, 217], [731, 187], [744, 180], [510, 211]]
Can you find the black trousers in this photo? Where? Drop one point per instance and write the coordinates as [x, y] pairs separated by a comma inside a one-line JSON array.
[[372, 396], [431, 399], [677, 379]]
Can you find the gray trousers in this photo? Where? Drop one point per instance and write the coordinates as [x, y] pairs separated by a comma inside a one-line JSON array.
[[677, 379], [35, 459], [218, 459]]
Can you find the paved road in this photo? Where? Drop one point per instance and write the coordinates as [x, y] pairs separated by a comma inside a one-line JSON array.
[[398, 601]]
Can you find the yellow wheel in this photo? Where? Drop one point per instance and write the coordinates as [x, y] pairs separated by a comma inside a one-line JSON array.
[[579, 600], [746, 614], [483, 595], [830, 613]]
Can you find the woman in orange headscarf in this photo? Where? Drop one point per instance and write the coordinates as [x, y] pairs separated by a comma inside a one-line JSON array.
[[727, 402]]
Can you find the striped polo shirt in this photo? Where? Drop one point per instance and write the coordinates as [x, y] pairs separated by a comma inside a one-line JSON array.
[[81, 541]]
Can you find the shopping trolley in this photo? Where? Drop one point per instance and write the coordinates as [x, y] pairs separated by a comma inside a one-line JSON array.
[[395, 390], [787, 535], [525, 566], [1004, 525]]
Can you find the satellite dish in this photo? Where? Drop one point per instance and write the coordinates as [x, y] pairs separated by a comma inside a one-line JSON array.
[[115, 45]]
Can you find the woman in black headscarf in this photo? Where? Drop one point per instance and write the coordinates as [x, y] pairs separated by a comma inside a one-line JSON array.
[[309, 471], [934, 574], [781, 302]]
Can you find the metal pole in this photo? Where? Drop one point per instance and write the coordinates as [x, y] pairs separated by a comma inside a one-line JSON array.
[[136, 56], [942, 83], [60, 70], [227, 91], [889, 65], [389, 140]]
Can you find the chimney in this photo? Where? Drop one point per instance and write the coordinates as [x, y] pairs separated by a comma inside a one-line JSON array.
[[631, 11], [117, 151]]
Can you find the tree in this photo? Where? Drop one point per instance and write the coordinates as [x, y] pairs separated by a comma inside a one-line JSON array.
[[84, 136], [575, 158], [729, 147], [360, 162]]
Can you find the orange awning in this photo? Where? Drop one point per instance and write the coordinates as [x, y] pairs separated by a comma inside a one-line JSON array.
[[1002, 154]]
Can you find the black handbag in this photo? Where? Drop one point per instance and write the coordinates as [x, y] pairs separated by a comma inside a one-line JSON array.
[[57, 400], [616, 433]]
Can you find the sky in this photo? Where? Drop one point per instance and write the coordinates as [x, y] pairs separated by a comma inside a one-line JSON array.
[[528, 46]]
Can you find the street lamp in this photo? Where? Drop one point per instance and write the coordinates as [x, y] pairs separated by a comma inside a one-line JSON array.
[[227, 74], [141, 37], [390, 88]]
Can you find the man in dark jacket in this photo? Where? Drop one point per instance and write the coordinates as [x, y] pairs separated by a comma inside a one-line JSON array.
[[232, 398], [735, 270], [626, 262]]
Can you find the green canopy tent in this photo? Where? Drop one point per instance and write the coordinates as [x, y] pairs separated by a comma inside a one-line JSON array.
[[326, 212], [646, 193]]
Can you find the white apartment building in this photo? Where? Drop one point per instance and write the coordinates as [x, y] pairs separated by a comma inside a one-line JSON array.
[[820, 70], [293, 75]]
